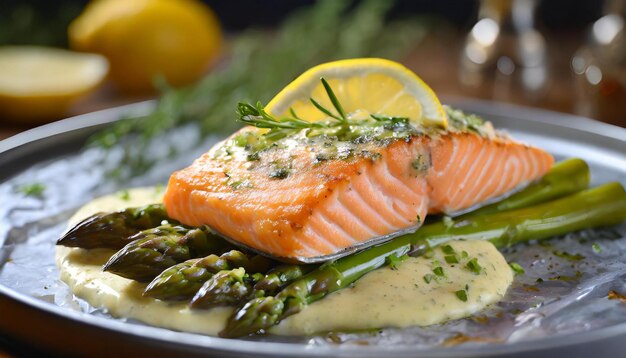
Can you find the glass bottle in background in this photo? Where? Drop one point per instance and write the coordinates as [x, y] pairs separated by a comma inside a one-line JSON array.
[[504, 56], [600, 67]]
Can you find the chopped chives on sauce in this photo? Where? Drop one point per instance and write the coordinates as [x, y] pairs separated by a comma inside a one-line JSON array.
[[447, 249], [429, 277], [461, 295], [596, 248], [517, 268], [474, 266]]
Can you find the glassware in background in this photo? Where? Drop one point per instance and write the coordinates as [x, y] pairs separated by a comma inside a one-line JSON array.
[[504, 54], [599, 67]]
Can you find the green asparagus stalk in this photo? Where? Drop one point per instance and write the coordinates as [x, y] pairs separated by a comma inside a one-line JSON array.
[[564, 178], [226, 288], [183, 280], [248, 286], [279, 277], [112, 230], [601, 206], [152, 251]]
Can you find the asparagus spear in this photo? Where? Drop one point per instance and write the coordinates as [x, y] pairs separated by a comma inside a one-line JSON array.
[[564, 178], [183, 280], [279, 277], [154, 250], [601, 206], [246, 286], [112, 230], [225, 288]]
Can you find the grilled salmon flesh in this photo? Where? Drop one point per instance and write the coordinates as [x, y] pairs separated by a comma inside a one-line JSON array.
[[307, 196]]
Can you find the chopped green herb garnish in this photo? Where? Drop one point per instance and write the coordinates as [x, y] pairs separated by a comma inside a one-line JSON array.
[[447, 249], [517, 268], [568, 256], [474, 266], [429, 254], [35, 189], [124, 195], [461, 119], [539, 280], [439, 271], [596, 248], [429, 277], [279, 173], [421, 163], [452, 259], [461, 295], [464, 254], [253, 157], [385, 118], [239, 184], [565, 278], [393, 260]]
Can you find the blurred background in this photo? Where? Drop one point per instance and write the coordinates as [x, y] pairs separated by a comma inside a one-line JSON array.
[[68, 57]]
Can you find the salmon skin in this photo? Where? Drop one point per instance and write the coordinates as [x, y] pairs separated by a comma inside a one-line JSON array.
[[310, 197]]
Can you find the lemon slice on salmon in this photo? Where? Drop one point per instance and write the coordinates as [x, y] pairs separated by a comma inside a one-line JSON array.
[[40, 83], [364, 85]]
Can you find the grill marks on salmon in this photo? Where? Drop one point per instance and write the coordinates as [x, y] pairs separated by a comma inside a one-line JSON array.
[[321, 208]]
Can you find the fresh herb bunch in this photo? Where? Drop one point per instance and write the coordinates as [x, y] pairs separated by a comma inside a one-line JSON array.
[[260, 64]]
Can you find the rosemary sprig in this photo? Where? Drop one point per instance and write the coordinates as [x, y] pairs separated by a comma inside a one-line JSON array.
[[258, 117], [333, 99], [324, 110]]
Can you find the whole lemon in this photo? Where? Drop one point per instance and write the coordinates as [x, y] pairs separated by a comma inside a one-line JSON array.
[[178, 39]]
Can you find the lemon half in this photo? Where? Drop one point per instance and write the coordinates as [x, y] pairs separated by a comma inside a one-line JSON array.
[[370, 85], [40, 83]]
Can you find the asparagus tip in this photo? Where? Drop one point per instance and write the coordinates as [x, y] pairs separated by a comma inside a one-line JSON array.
[[255, 316]]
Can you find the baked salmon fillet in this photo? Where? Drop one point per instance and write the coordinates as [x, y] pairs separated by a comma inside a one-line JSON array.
[[306, 196]]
